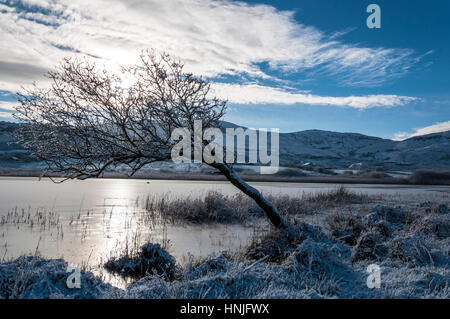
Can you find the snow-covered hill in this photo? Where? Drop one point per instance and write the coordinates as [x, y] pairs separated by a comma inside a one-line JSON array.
[[324, 148], [343, 149], [332, 149]]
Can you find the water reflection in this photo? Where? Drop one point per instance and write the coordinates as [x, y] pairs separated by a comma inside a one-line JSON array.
[[88, 238], [85, 222]]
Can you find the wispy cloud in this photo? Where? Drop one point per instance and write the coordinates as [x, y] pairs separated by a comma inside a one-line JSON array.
[[257, 94], [214, 37], [7, 105], [435, 128], [6, 115], [7, 108]]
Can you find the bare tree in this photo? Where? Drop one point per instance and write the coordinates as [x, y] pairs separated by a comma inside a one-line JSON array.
[[89, 120]]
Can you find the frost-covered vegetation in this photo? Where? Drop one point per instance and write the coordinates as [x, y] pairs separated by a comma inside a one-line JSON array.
[[215, 207], [304, 261], [151, 259], [36, 277]]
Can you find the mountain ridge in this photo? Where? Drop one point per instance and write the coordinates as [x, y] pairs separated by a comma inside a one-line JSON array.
[[337, 149], [320, 147]]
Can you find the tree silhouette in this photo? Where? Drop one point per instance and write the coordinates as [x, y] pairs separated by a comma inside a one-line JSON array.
[[89, 120]]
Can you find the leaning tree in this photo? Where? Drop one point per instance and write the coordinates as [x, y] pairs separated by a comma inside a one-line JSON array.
[[90, 120]]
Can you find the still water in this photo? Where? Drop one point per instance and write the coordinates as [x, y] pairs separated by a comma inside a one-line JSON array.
[[84, 222]]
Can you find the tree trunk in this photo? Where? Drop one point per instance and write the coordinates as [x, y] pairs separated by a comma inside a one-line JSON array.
[[270, 210]]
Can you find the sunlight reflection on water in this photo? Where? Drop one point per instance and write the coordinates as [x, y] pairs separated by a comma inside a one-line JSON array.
[[85, 222]]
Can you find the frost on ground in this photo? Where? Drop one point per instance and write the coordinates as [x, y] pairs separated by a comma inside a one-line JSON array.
[[409, 245], [36, 277]]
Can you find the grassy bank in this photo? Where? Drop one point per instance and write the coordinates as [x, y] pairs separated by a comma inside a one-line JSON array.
[[215, 207], [420, 177]]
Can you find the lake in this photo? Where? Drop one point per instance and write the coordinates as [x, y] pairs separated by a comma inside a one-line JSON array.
[[84, 221]]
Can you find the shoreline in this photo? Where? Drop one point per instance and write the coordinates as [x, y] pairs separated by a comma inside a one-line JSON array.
[[428, 177], [247, 178]]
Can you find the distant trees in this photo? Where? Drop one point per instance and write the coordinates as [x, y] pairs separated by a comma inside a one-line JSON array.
[[91, 120]]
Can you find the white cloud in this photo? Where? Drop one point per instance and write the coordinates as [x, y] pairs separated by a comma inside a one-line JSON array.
[[6, 105], [257, 94], [6, 115], [214, 37], [5, 109], [435, 128]]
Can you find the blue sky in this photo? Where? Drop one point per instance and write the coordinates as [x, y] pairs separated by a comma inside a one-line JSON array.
[[292, 65]]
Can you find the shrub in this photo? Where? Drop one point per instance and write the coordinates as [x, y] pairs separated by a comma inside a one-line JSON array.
[[322, 259], [345, 227], [375, 174], [369, 247], [340, 195], [217, 208], [430, 177], [323, 170], [213, 207], [152, 259], [276, 245], [392, 215], [290, 172], [411, 250], [435, 225]]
